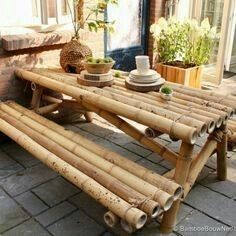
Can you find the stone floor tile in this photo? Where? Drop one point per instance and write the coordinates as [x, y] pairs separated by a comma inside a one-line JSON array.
[[55, 191], [174, 146], [31, 203], [11, 214], [28, 228], [122, 151], [197, 223], [166, 164], [8, 166], [213, 204], [54, 214], [155, 158], [27, 179], [76, 224], [151, 166], [119, 138], [138, 149], [92, 208], [19, 154]]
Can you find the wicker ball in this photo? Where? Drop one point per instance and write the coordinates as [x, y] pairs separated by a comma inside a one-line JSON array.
[[72, 55]]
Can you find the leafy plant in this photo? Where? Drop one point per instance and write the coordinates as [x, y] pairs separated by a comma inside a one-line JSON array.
[[105, 60], [166, 90], [184, 41], [93, 18]]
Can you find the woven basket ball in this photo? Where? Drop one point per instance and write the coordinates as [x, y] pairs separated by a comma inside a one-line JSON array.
[[72, 55]]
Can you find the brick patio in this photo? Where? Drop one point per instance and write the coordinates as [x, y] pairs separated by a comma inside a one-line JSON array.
[[34, 200]]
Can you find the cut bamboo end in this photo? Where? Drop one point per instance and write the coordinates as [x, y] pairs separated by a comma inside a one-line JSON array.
[[127, 227], [219, 122], [168, 203], [111, 219], [203, 130], [152, 210], [211, 126], [178, 193], [194, 136]]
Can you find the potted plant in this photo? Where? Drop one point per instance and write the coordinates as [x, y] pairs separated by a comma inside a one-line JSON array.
[[166, 92], [181, 48], [74, 52]]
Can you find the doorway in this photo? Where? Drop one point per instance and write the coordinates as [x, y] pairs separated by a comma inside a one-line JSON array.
[[130, 38]]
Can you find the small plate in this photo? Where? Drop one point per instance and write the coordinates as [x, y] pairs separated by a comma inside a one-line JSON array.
[[149, 74], [143, 80]]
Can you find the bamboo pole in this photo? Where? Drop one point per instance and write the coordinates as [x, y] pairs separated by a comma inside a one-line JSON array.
[[163, 198], [142, 172], [199, 112], [222, 155], [127, 227], [227, 100], [47, 109], [109, 182], [51, 99], [181, 173], [117, 205], [111, 219], [232, 138], [88, 116], [151, 133], [181, 118], [180, 131], [187, 117], [36, 97]]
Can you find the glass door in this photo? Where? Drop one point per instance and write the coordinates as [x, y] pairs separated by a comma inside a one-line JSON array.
[[131, 24]]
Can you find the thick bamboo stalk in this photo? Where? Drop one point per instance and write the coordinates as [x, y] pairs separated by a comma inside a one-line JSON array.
[[222, 155], [111, 219], [232, 137], [111, 183], [151, 133], [181, 118], [164, 199], [181, 173], [198, 163], [162, 124], [142, 172], [186, 117], [51, 99], [36, 97], [73, 105], [206, 113], [88, 116], [227, 100], [47, 109], [127, 227], [117, 205]]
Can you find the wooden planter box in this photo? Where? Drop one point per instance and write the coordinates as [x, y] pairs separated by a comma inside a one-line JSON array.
[[190, 77]]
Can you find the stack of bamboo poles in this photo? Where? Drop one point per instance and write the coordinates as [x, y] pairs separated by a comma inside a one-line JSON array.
[[232, 133], [130, 192], [189, 113]]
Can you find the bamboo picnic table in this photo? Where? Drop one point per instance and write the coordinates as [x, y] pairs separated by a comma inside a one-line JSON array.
[[188, 116]]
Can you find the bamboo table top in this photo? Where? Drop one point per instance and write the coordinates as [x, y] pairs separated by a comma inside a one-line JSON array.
[[189, 114]]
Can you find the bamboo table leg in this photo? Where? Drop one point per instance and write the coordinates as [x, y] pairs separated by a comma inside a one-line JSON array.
[[180, 177], [88, 116], [36, 98], [222, 155]]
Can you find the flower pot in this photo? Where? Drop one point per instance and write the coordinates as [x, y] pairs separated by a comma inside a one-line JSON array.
[[72, 56], [98, 68], [166, 96], [190, 77]]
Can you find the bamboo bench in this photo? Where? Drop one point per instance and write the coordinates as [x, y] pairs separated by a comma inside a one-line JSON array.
[[131, 192]]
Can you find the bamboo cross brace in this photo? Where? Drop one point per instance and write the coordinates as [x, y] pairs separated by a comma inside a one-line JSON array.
[[113, 157], [117, 205], [177, 130]]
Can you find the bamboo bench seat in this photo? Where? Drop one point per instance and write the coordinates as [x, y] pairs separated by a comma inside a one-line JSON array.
[[131, 192]]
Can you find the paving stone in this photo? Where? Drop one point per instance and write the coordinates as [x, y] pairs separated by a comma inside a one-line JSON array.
[[10, 213], [151, 166], [119, 138], [201, 141], [27, 179], [31, 203], [174, 146], [8, 166], [196, 223], [204, 173], [28, 228], [138, 149], [19, 154], [115, 148], [213, 204], [54, 214], [92, 208], [227, 187], [166, 164], [55, 191], [155, 158], [76, 224], [81, 132]]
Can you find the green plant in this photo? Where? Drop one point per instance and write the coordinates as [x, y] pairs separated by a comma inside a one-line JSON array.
[[166, 90], [105, 60], [183, 42], [117, 74], [94, 19]]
